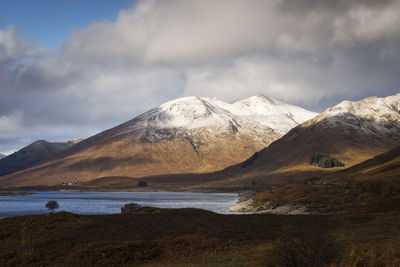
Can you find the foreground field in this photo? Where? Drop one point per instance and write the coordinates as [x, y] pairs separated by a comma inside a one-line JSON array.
[[189, 236]]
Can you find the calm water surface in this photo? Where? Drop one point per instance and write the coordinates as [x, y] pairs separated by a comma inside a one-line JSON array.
[[111, 202]]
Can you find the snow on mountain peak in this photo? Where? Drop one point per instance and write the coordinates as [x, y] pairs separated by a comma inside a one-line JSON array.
[[73, 140], [268, 111], [188, 112], [371, 108], [373, 116], [259, 100], [199, 112], [279, 116]]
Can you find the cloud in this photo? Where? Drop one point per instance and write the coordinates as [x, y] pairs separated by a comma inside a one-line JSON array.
[[179, 32], [9, 125], [309, 52], [300, 51], [14, 47]]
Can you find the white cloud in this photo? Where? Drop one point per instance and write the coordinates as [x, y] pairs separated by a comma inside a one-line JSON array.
[[185, 32], [307, 52], [368, 23], [10, 125], [13, 46], [191, 31]]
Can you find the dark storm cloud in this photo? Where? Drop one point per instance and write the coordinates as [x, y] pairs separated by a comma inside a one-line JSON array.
[[313, 53]]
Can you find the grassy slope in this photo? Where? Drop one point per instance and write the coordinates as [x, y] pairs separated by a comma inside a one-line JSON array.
[[155, 236], [185, 236], [370, 186]]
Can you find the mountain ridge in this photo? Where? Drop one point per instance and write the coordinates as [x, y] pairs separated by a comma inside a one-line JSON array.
[[191, 134], [347, 134]]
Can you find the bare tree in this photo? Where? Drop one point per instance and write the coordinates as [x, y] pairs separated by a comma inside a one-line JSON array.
[[52, 205]]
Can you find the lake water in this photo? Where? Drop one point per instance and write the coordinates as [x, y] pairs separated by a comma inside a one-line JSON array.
[[111, 202]]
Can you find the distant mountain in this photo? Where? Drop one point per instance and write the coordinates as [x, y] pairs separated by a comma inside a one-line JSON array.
[[186, 135], [347, 133], [32, 154], [2, 156]]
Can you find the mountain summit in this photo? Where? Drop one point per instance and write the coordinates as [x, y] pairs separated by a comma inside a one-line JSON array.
[[189, 113], [374, 116], [281, 117], [189, 134]]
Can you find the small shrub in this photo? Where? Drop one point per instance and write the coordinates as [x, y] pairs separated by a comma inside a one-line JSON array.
[[390, 256], [141, 184], [128, 208]]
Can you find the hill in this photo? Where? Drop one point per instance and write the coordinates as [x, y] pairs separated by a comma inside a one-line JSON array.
[[370, 186], [33, 154], [348, 133]]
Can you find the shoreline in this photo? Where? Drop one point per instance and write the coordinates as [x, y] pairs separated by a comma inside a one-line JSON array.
[[244, 204], [15, 193], [222, 201], [60, 188]]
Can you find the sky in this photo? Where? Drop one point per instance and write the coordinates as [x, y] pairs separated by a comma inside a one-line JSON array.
[[72, 68], [50, 21]]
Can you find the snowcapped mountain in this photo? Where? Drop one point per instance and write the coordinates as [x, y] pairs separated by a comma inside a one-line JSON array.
[[372, 108], [257, 114], [190, 134], [372, 116], [350, 132]]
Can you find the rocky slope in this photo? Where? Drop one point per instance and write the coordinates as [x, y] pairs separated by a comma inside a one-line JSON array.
[[186, 135], [32, 154]]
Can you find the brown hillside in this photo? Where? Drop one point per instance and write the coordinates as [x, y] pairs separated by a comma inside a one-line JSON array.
[[383, 167], [132, 157], [370, 186]]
